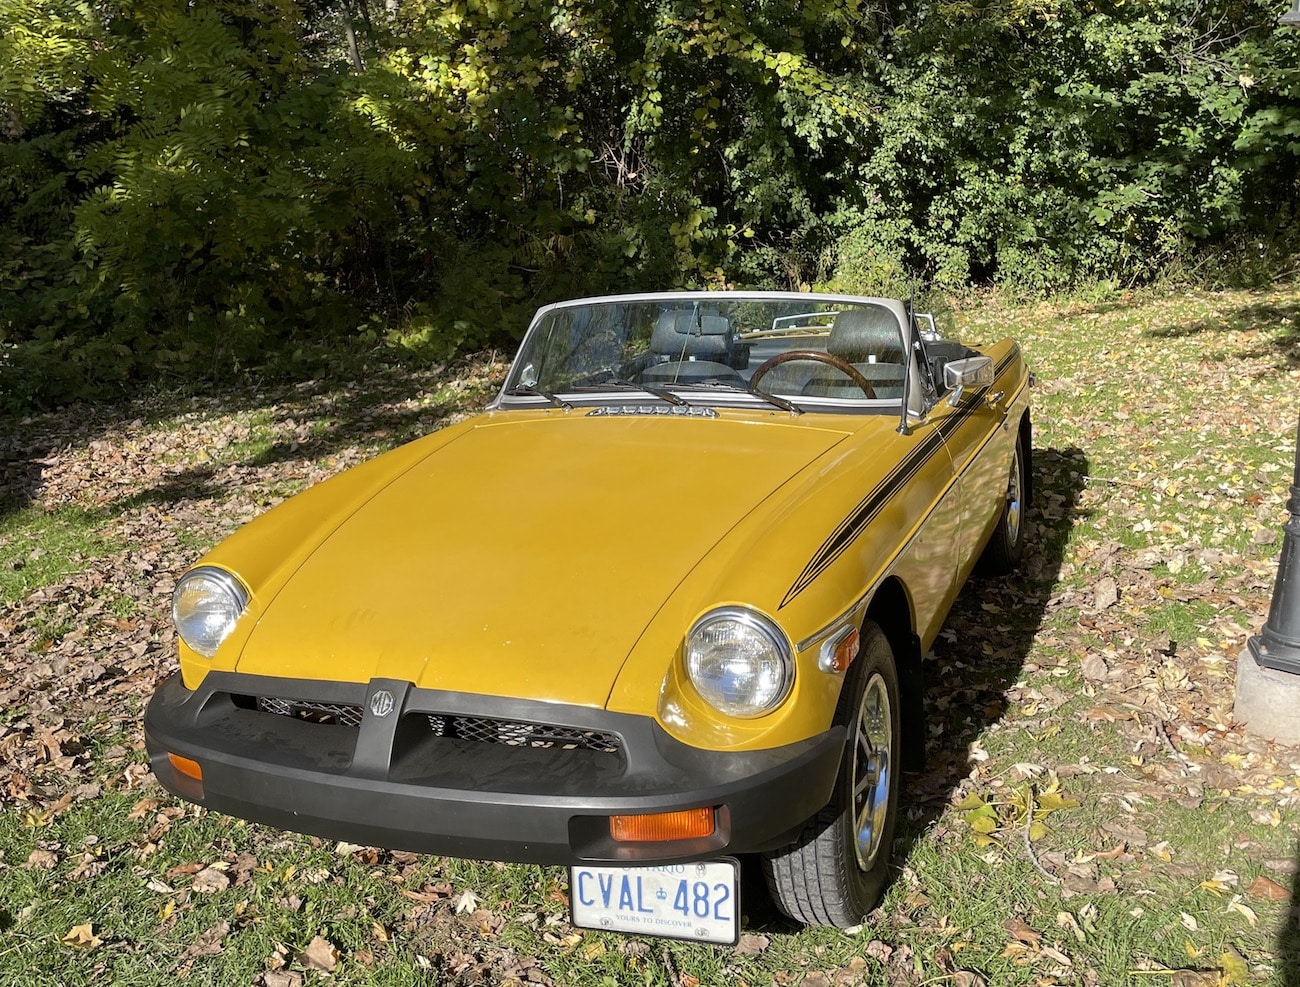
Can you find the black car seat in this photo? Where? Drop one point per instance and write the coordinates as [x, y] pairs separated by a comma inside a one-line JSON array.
[[870, 338]]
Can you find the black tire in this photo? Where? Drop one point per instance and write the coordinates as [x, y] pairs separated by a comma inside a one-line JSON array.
[[824, 878], [1007, 545]]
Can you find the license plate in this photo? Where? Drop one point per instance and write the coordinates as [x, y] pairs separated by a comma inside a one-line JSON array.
[[682, 901]]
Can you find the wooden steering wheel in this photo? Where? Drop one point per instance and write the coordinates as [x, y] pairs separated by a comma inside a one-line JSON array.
[[816, 356]]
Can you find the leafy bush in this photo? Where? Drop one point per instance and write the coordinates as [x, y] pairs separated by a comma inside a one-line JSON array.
[[1050, 144]]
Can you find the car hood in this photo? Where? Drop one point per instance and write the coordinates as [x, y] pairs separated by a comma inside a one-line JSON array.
[[526, 556]]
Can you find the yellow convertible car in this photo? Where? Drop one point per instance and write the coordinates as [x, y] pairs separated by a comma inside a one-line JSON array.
[[664, 602]]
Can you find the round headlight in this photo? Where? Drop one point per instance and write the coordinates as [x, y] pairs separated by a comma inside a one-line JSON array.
[[205, 606], [739, 661]]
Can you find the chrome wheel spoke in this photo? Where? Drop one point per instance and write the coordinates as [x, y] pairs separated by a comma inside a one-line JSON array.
[[1014, 494], [872, 757]]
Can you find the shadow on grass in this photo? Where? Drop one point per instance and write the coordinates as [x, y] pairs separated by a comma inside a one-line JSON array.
[[372, 417], [1288, 938], [30, 444], [986, 639], [302, 422], [1279, 325]]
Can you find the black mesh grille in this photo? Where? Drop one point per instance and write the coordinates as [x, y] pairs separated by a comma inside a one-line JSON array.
[[344, 714], [477, 729], [517, 734]]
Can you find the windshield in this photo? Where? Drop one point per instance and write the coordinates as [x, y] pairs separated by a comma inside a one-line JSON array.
[[806, 349]]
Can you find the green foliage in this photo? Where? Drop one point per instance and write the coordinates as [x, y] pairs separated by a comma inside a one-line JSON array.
[[193, 188], [1056, 143]]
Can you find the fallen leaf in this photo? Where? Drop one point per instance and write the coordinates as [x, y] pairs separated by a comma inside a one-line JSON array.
[[82, 937], [879, 951], [1262, 887], [210, 881], [41, 860], [465, 902], [320, 954], [1068, 922], [851, 972], [1105, 593], [1018, 929], [1094, 668], [208, 944], [1194, 978], [1244, 910], [751, 945], [1233, 965], [1055, 954], [143, 808]]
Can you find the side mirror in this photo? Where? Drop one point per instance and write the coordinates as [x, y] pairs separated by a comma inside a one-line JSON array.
[[977, 371]]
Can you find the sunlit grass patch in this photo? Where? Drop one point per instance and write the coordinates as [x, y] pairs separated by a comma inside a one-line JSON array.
[[39, 546]]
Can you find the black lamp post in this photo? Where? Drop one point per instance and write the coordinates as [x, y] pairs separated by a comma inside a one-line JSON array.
[[1268, 668], [1278, 644]]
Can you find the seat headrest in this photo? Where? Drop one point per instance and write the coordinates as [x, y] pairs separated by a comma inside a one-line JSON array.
[[866, 331]]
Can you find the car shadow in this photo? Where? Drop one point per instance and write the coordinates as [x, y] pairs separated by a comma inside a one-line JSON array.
[[986, 640], [983, 646], [980, 653], [1288, 937]]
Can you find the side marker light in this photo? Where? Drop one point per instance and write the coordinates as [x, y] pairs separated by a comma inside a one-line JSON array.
[[838, 653], [662, 827], [183, 765]]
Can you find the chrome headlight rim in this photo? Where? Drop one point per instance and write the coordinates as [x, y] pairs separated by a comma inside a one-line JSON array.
[[770, 631], [227, 589]]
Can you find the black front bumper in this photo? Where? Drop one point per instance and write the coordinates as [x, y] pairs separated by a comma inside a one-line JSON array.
[[404, 780]]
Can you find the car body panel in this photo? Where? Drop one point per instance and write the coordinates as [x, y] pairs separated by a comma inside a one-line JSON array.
[[596, 544], [545, 560]]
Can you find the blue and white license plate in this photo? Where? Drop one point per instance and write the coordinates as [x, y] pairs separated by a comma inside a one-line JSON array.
[[698, 901]]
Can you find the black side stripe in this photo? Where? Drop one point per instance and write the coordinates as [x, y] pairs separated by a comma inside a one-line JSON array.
[[848, 530]]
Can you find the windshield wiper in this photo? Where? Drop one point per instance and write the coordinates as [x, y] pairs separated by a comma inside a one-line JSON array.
[[771, 399], [662, 393], [529, 390]]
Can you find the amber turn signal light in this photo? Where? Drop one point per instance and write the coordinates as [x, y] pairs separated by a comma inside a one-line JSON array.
[[662, 827], [183, 765], [846, 650]]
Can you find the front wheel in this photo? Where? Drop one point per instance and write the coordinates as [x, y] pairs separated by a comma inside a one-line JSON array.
[[835, 872]]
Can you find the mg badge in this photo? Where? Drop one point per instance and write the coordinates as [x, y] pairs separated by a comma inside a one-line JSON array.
[[382, 703]]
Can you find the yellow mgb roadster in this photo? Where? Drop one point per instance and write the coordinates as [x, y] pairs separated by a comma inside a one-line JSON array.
[[662, 603]]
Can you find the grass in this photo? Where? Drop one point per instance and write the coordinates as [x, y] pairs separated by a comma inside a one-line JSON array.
[[1093, 690], [39, 547]]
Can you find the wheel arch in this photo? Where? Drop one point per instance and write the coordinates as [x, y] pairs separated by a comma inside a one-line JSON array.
[[891, 610]]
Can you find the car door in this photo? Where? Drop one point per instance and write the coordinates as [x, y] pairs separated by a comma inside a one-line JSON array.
[[978, 435]]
